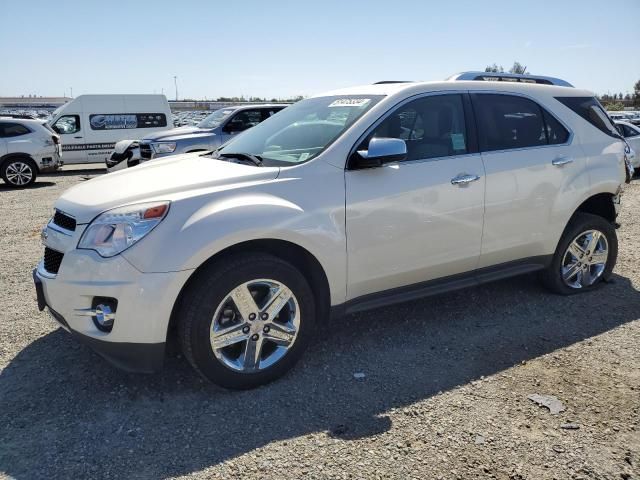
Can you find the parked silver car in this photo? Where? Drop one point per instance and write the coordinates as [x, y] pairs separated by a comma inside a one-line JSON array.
[[209, 134]]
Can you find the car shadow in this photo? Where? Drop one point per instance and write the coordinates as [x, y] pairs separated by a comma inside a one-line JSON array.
[[66, 413], [36, 184]]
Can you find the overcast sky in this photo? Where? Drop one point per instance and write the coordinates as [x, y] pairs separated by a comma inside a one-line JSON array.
[[280, 48]]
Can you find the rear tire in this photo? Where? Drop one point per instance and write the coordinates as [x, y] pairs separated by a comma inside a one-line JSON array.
[[585, 256], [19, 172], [226, 336]]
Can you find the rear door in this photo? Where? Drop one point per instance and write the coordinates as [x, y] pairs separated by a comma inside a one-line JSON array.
[[3, 141], [533, 174], [409, 222]]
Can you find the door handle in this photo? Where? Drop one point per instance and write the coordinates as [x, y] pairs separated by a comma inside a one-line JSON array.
[[78, 137], [464, 179], [558, 162]]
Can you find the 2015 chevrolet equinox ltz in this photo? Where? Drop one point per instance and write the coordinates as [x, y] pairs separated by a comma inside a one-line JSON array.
[[342, 202]]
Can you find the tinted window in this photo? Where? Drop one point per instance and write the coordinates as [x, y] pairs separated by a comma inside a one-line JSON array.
[[67, 124], [591, 110], [244, 120], [122, 121], [627, 131], [507, 121], [556, 133], [12, 130], [268, 112], [432, 127]]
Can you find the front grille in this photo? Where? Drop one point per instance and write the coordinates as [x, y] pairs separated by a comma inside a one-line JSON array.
[[52, 260], [145, 150], [64, 221]]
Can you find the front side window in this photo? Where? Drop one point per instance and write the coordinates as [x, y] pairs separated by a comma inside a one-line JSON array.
[[300, 132], [507, 121], [590, 109], [216, 118], [432, 127], [67, 124], [627, 131], [9, 129], [244, 120]]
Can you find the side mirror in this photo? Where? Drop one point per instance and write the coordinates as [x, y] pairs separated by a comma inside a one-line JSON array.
[[380, 151]]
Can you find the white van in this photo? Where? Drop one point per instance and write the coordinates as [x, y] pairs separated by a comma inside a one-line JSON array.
[[90, 125]]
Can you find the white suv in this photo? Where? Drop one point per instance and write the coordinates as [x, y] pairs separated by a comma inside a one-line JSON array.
[[27, 147], [346, 201]]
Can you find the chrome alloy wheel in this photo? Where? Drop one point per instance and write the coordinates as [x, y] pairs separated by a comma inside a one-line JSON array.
[[255, 325], [19, 173], [585, 259]]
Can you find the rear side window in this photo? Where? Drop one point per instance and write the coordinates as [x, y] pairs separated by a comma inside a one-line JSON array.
[[123, 121], [12, 130], [509, 122], [556, 133], [591, 110], [506, 122]]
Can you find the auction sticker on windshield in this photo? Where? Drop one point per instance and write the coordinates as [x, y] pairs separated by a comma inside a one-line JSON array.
[[350, 102]]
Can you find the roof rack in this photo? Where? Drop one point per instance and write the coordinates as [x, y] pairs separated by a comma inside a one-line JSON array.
[[384, 82], [509, 77]]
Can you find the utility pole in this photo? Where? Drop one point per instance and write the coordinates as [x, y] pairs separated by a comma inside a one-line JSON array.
[[71, 91], [175, 82]]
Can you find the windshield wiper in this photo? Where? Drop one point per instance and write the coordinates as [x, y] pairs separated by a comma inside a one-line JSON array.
[[255, 159]]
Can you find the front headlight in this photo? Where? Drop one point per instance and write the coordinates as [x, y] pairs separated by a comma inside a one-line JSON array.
[[113, 231], [164, 147]]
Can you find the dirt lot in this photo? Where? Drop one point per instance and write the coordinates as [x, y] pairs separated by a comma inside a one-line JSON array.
[[444, 393]]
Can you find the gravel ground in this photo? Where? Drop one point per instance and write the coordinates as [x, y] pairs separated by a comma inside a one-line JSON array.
[[444, 392]]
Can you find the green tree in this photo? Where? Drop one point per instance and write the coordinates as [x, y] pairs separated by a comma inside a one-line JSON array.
[[518, 68], [494, 68]]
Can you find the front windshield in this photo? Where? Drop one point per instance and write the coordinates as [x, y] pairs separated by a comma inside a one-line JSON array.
[[216, 118], [300, 132]]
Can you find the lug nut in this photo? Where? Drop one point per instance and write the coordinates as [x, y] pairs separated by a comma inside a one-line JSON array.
[[252, 316], [266, 329], [245, 330], [264, 316], [255, 337]]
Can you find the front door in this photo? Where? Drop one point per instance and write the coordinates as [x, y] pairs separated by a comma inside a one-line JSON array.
[[419, 219], [241, 121], [72, 136]]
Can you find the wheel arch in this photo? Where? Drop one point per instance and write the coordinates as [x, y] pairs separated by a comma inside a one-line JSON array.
[[16, 155], [600, 204], [298, 256]]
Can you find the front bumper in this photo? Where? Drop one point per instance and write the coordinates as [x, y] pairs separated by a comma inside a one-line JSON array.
[[145, 302], [131, 357]]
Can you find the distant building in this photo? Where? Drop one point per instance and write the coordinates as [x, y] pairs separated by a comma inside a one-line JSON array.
[[33, 102]]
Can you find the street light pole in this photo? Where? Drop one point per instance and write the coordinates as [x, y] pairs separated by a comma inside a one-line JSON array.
[[175, 82]]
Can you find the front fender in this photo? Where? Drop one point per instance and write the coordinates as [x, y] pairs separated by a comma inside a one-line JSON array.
[[186, 242]]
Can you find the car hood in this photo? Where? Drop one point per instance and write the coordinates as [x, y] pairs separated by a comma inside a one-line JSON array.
[[169, 178], [177, 134]]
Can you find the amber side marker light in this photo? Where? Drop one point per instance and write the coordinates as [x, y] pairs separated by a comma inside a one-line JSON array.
[[155, 212]]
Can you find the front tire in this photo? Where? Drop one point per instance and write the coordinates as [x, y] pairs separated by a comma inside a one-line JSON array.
[[246, 320], [585, 256], [19, 172]]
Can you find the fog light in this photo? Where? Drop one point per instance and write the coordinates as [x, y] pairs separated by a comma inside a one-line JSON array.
[[102, 312], [104, 316]]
